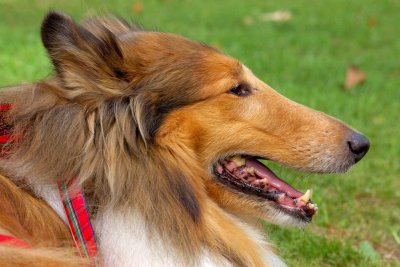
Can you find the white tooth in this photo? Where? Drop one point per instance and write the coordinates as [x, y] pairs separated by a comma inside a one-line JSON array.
[[219, 168], [250, 170], [263, 182], [239, 161], [306, 197]]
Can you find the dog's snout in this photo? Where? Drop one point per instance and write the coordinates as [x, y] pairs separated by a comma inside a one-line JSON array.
[[358, 145]]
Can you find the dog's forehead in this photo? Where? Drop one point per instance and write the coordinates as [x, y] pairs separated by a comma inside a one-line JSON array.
[[159, 47], [164, 42], [181, 59]]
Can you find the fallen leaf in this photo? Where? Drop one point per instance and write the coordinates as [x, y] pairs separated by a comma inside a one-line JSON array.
[[279, 15], [248, 20], [137, 7], [372, 22], [354, 77]]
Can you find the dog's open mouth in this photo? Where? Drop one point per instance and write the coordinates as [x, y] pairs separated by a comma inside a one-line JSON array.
[[248, 175]]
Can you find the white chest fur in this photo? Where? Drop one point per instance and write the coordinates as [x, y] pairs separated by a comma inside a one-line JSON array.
[[124, 240], [50, 193]]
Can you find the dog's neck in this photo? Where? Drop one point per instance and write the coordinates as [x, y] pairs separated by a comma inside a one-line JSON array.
[[125, 238]]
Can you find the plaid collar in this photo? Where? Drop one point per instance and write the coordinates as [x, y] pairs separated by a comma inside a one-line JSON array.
[[13, 241], [71, 195], [76, 210]]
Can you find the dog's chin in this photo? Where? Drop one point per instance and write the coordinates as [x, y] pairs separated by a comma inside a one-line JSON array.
[[277, 201], [275, 215]]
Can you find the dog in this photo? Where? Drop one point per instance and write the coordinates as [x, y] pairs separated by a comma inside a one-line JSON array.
[[164, 136]]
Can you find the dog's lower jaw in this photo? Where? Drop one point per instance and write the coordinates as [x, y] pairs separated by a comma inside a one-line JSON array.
[[281, 218], [124, 240]]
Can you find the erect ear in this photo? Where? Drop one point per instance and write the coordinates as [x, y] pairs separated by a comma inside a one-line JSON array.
[[88, 63]]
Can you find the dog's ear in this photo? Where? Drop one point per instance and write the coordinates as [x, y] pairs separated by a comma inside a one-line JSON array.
[[89, 63]]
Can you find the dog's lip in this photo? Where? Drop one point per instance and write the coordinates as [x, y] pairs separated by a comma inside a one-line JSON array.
[[248, 175]]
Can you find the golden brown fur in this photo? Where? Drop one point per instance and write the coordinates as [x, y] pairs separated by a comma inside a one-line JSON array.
[[140, 117], [27, 218]]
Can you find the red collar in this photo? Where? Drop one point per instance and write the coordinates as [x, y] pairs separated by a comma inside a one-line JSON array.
[[13, 241], [71, 195], [76, 210]]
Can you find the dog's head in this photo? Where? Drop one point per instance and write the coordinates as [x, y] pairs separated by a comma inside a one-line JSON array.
[[216, 110]]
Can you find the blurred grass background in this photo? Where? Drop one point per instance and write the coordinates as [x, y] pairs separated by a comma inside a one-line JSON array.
[[305, 58]]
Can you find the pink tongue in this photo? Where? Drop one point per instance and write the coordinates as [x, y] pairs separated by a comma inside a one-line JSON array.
[[262, 171]]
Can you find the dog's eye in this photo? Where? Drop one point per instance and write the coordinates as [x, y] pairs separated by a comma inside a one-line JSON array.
[[240, 90]]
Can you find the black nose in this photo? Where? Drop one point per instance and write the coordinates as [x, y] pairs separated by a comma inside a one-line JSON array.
[[359, 145]]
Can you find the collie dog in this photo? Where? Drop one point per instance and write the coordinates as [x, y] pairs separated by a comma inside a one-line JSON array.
[[164, 136]]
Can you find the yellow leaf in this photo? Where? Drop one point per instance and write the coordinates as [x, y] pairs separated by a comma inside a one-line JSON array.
[[279, 15], [137, 7], [354, 77]]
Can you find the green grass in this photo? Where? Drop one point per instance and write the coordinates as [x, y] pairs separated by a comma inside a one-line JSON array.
[[305, 59]]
